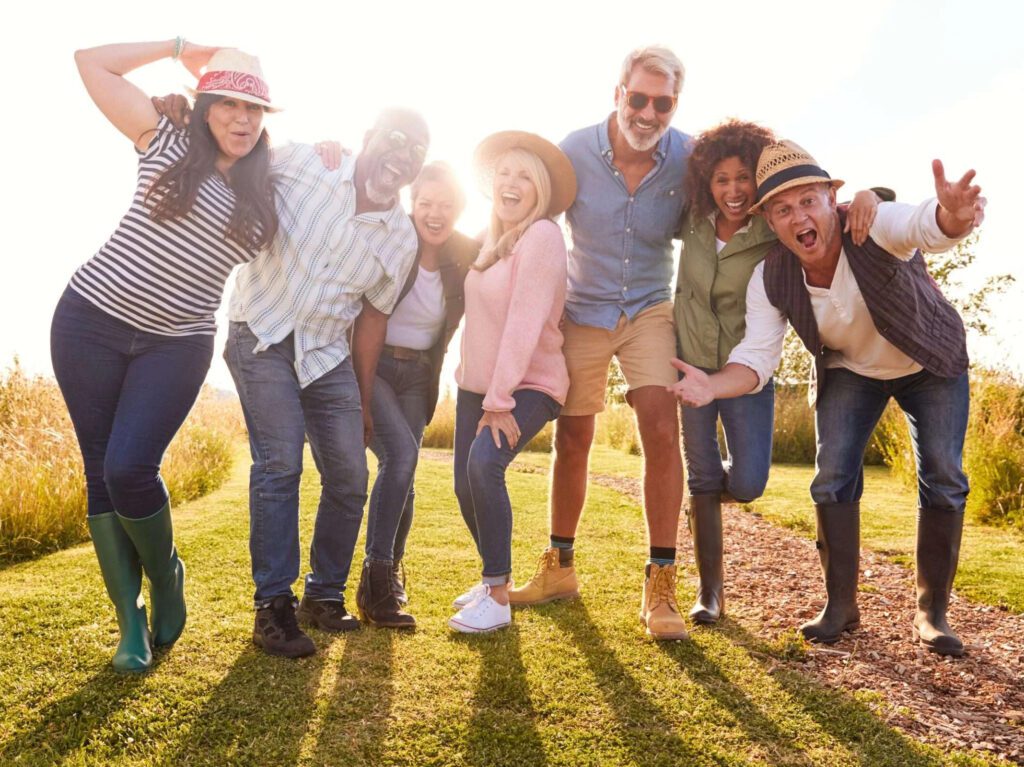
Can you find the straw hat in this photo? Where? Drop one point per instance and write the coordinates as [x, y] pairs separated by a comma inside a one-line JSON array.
[[782, 166], [232, 72], [563, 178]]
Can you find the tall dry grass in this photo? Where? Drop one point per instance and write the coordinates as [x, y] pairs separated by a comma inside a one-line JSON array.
[[993, 450], [440, 432], [42, 486]]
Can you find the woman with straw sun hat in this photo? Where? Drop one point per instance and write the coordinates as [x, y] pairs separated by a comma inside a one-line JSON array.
[[132, 335], [512, 377]]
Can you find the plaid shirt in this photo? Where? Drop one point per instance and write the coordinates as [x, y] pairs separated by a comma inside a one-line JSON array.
[[324, 259]]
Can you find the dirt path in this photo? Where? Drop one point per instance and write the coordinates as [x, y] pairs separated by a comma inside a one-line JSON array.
[[773, 583]]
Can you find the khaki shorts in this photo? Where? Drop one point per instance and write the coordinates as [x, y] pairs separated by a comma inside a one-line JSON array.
[[643, 347]]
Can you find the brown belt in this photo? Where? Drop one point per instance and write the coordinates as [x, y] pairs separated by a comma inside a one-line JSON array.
[[402, 353]]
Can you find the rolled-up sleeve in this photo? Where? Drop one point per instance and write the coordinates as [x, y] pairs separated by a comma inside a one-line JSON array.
[[761, 347]]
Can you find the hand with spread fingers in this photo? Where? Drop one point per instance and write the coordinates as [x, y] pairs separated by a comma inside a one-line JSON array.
[[961, 206], [500, 422], [694, 389], [331, 153], [174, 107], [861, 215]]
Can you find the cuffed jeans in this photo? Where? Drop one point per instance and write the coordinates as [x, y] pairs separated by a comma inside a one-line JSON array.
[[128, 392], [279, 415], [399, 408], [747, 422], [480, 473], [847, 411]]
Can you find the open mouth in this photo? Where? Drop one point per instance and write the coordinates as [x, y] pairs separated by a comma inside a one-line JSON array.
[[510, 198], [433, 226], [807, 238], [737, 206], [390, 174], [644, 125]]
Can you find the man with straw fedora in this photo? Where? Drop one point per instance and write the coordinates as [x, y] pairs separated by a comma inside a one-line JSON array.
[[878, 328]]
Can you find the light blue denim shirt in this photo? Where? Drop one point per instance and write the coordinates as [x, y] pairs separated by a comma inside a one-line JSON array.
[[621, 256]]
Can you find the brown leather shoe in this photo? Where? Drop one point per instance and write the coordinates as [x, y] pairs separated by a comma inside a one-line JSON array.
[[326, 615], [277, 632], [551, 582], [659, 610]]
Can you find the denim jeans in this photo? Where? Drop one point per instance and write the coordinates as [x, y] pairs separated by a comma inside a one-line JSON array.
[[128, 392], [847, 410], [480, 473], [399, 408], [279, 415], [747, 422]]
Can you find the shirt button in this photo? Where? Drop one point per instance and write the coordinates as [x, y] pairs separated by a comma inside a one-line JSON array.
[[671, 192], [627, 260], [631, 199], [628, 229], [616, 173]]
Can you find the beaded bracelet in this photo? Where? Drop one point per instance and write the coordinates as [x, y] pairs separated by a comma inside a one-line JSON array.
[[179, 46]]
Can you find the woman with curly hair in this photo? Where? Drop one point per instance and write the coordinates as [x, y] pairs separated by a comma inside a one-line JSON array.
[[132, 335], [722, 243]]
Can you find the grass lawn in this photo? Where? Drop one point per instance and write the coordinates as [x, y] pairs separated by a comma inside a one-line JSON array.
[[991, 559], [571, 684]]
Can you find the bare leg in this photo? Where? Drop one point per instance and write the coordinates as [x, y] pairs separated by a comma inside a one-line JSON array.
[[573, 437], [658, 422]]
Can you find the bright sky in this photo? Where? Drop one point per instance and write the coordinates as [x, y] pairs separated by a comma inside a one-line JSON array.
[[873, 89]]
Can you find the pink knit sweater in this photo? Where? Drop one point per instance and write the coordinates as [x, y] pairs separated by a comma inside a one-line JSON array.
[[511, 338]]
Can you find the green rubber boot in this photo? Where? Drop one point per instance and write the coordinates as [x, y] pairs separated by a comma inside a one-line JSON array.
[[153, 537], [122, 575]]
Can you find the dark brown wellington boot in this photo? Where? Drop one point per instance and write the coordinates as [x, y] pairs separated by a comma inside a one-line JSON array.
[[398, 583], [938, 549], [376, 599], [839, 550], [705, 518]]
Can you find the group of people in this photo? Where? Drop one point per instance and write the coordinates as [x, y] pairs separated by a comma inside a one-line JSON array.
[[344, 306]]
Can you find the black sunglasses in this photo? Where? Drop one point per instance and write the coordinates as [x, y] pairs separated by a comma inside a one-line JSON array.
[[636, 100]]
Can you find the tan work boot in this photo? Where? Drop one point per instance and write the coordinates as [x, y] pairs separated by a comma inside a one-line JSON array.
[[551, 582], [659, 611]]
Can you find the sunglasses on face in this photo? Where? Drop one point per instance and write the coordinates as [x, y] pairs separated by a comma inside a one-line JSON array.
[[399, 141], [636, 100]]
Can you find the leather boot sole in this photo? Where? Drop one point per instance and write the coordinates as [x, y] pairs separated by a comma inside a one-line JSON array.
[[831, 638], [384, 624], [281, 653], [569, 595]]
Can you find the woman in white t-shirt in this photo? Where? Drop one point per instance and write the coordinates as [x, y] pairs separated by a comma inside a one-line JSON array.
[[406, 387]]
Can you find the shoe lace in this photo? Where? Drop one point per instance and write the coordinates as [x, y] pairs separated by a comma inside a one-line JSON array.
[[480, 592], [284, 617], [548, 561], [664, 589]]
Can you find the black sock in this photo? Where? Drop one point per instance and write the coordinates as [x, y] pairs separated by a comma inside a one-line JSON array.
[[662, 556], [565, 549]]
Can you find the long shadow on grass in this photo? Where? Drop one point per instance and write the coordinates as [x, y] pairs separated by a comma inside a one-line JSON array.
[[503, 730], [643, 729], [355, 725], [256, 715], [848, 721], [66, 724]]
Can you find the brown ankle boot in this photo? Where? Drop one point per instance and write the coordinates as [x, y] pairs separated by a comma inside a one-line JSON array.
[[839, 551], [376, 598], [659, 610], [705, 518]]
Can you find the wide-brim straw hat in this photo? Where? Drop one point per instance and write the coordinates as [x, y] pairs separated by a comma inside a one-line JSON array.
[[782, 166], [563, 177], [232, 72]]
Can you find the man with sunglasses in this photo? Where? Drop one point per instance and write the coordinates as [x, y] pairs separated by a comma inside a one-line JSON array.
[[630, 170], [340, 257]]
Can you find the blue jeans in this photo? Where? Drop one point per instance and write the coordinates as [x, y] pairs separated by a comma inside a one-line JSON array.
[[847, 411], [279, 415], [480, 474], [128, 392], [747, 422], [399, 408]]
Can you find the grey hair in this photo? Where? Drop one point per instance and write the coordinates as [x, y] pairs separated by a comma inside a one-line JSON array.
[[655, 58]]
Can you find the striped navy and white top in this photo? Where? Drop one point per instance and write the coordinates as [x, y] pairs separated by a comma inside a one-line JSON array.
[[166, 277], [324, 259]]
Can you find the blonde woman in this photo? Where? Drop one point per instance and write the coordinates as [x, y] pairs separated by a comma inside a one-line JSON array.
[[512, 378]]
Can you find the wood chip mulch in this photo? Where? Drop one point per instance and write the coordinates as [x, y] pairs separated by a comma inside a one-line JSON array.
[[774, 583]]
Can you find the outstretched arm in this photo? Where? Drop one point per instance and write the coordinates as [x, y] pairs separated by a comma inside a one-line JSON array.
[[698, 388], [126, 107]]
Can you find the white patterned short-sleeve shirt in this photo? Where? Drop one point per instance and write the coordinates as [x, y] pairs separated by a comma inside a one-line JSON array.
[[324, 259]]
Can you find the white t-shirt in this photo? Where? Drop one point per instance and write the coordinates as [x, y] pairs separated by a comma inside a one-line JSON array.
[[418, 319]]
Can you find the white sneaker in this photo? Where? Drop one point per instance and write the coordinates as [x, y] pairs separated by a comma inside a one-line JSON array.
[[481, 615], [472, 595]]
